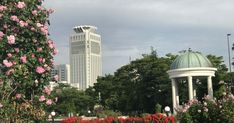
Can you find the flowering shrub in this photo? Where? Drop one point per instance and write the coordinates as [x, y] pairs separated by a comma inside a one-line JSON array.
[[26, 58], [155, 118], [208, 110]]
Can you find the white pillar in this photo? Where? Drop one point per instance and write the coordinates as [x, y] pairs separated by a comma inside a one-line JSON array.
[[190, 87], [173, 87], [177, 94], [209, 86]]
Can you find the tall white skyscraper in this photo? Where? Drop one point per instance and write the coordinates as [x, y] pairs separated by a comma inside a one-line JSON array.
[[85, 56]]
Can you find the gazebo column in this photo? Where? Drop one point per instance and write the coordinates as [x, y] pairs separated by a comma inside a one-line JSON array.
[[175, 95], [209, 86], [190, 87]]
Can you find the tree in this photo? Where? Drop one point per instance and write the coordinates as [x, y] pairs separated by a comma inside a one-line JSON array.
[[71, 100], [138, 86], [26, 56]]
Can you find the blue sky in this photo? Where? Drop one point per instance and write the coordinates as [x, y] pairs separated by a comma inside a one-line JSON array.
[[130, 27]]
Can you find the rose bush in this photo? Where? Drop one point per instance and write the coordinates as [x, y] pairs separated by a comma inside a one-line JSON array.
[[24, 39], [208, 110]]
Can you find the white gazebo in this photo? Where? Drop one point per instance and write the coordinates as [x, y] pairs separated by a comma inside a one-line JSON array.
[[188, 65]]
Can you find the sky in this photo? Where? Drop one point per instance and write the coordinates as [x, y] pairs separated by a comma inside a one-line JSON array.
[[130, 27]]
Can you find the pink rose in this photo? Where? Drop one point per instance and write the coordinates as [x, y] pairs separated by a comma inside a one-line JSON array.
[[41, 60], [44, 30], [34, 12], [40, 70], [1, 105], [7, 63], [51, 11], [42, 98], [11, 39], [33, 55], [51, 44], [14, 18], [18, 96], [47, 90], [55, 52], [9, 55], [16, 50], [1, 34], [20, 5], [2, 8], [49, 102], [22, 23], [23, 58], [56, 78], [39, 49], [14, 63], [33, 29], [40, 8]]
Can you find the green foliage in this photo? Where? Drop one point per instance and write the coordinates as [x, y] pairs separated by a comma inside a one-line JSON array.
[[71, 100], [158, 108], [136, 87]]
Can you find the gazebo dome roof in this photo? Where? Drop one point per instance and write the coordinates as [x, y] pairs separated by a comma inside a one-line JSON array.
[[190, 59]]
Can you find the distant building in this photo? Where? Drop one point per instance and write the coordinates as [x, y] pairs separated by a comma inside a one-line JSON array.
[[85, 56], [63, 72]]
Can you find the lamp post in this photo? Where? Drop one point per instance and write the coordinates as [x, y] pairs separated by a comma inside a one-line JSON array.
[[53, 114], [167, 110]]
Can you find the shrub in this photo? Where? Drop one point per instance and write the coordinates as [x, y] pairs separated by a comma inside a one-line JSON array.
[[155, 118], [208, 110], [26, 58]]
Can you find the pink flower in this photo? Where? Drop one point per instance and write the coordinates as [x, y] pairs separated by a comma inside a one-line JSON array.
[[49, 102], [22, 23], [47, 90], [34, 12], [56, 77], [40, 70], [42, 98], [39, 49], [11, 39], [51, 44], [1, 105], [14, 63], [9, 55], [51, 11], [205, 109], [23, 59], [18, 96], [55, 52], [7, 63], [14, 18], [21, 5], [44, 30], [33, 29], [2, 8], [16, 50], [1, 34], [40, 8], [41, 60], [33, 55]]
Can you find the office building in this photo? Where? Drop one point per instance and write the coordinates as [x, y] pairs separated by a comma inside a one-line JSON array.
[[85, 56]]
